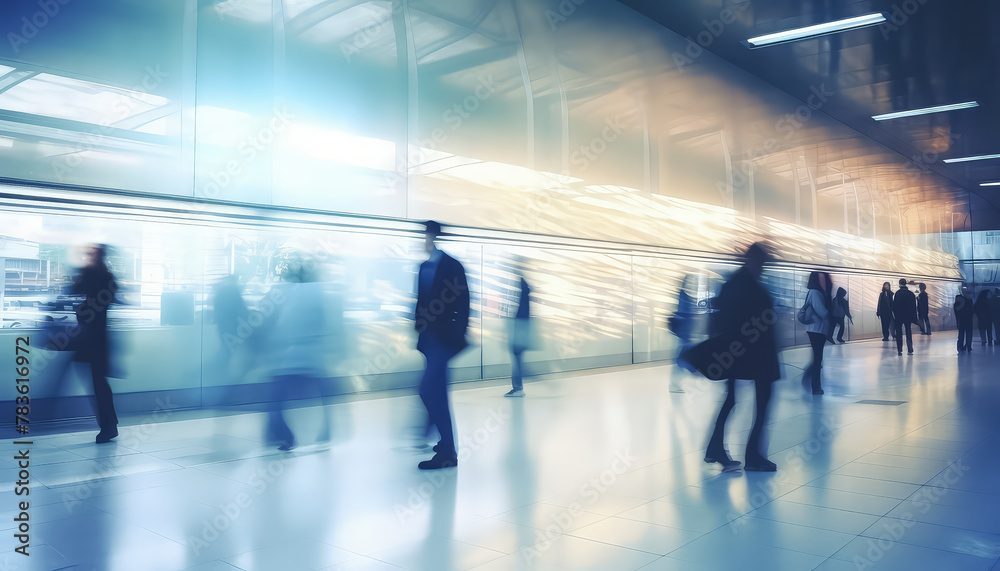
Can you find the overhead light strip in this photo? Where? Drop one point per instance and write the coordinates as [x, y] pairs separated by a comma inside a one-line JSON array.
[[817, 30], [997, 183], [975, 158], [926, 111]]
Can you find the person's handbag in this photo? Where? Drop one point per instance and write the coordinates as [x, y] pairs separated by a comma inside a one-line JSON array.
[[806, 314], [60, 335], [522, 335], [710, 358], [676, 324]]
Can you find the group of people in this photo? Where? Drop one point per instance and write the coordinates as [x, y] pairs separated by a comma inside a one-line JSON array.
[[985, 309], [743, 346], [898, 313]]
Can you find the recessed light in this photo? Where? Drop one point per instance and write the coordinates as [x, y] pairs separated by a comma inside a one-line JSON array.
[[975, 158], [817, 30], [926, 111]]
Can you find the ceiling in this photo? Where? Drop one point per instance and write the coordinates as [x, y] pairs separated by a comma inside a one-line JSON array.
[[933, 53]]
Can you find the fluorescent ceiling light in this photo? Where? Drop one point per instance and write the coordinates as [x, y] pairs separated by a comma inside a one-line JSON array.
[[817, 30], [997, 183], [975, 158], [926, 110]]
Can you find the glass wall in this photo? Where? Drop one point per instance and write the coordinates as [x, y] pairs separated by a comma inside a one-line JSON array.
[[592, 305]]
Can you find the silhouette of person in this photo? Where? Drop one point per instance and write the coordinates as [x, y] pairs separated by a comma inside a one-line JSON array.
[[229, 308], [817, 305], [96, 282], [995, 314], [923, 311], [682, 324], [441, 320], [884, 310], [839, 309], [296, 343], [520, 335], [904, 312], [746, 340], [985, 316], [964, 313]]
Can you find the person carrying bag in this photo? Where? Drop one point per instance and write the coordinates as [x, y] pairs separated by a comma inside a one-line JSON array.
[[744, 347]]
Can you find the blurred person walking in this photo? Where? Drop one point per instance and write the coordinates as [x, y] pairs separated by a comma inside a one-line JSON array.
[[984, 314], [839, 309], [904, 312], [884, 311], [97, 283], [815, 315], [744, 348], [682, 324], [441, 320], [296, 348], [964, 313], [229, 310], [923, 311], [520, 336]]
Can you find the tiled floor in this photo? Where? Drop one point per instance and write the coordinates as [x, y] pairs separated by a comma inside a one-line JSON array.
[[593, 471]]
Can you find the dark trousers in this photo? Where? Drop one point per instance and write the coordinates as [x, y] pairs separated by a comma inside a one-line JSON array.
[[812, 373], [517, 370], [903, 329], [925, 324], [886, 326], [93, 349], [836, 322], [754, 452], [104, 399], [277, 428], [434, 394], [965, 337], [281, 387], [986, 332]]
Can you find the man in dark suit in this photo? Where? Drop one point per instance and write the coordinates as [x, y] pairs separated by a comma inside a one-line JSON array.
[[904, 311], [441, 320]]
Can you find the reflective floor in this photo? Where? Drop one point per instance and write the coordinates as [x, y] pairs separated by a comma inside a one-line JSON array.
[[592, 471]]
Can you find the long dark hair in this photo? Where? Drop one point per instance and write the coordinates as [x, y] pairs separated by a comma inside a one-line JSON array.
[[814, 283]]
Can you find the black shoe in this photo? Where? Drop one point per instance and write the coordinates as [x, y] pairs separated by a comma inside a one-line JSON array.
[[885, 339], [909, 351], [286, 445], [900, 353], [817, 391], [728, 464], [760, 465], [437, 462], [105, 436]]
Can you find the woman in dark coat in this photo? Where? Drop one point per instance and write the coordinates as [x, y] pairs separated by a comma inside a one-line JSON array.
[[97, 283], [745, 348], [884, 310], [985, 317]]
